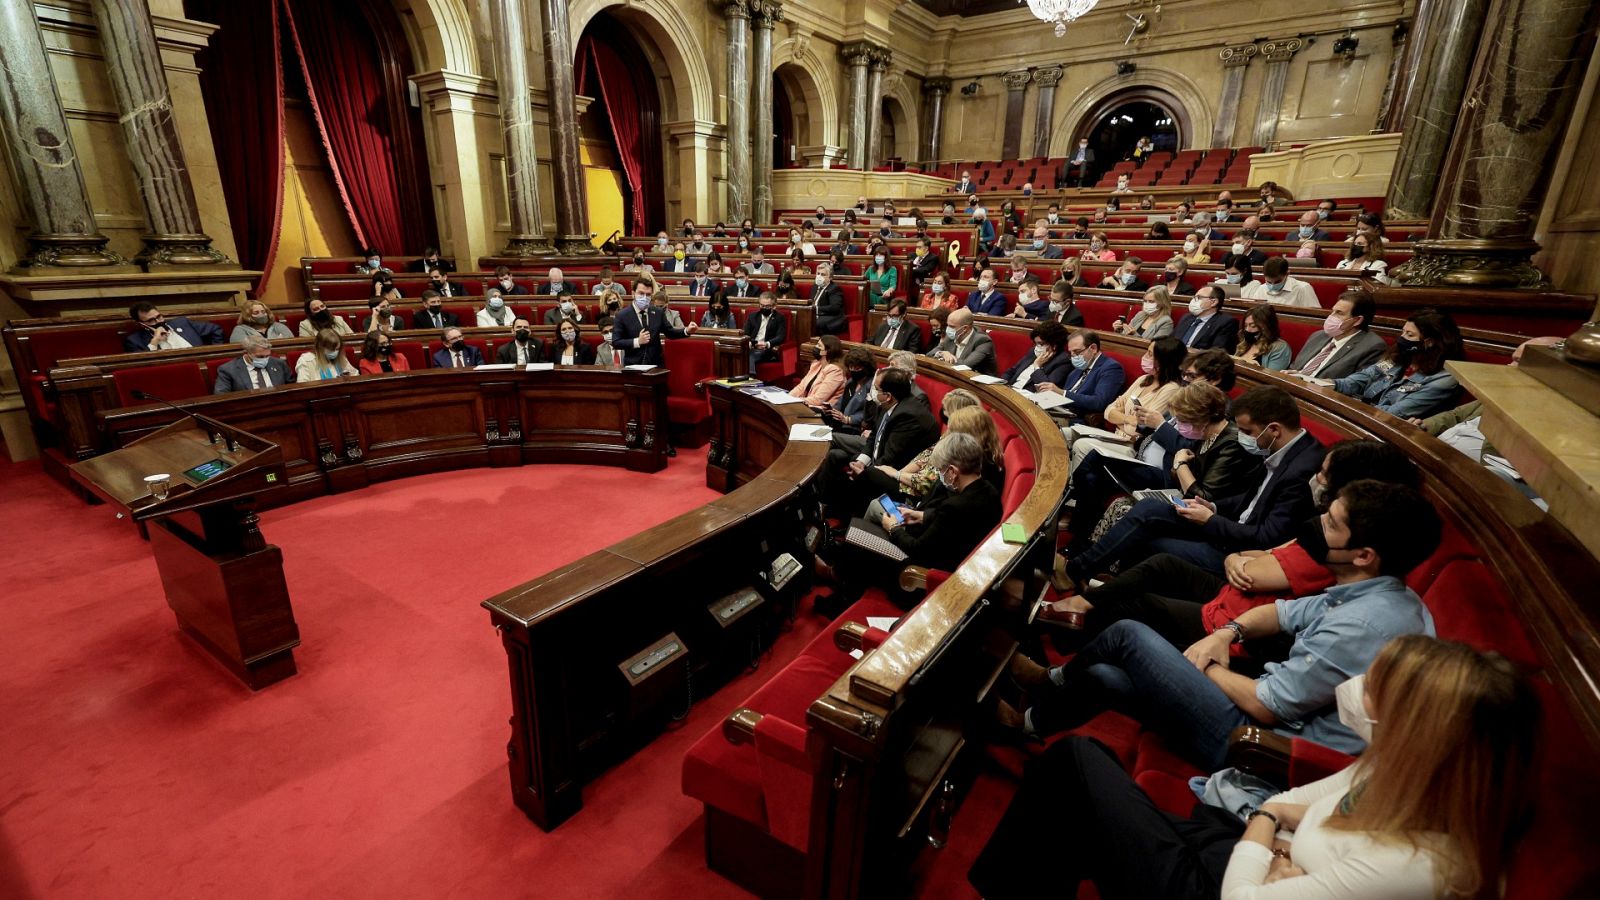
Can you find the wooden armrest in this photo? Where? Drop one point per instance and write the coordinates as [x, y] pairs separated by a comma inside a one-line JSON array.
[[913, 578], [740, 726], [1262, 753], [849, 636]]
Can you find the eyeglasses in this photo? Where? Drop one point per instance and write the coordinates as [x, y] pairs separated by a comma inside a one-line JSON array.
[[1190, 375]]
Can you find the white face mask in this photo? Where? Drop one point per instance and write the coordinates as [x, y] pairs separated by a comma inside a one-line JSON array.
[[1197, 306], [820, 280], [1238, 249], [1350, 698], [985, 284], [1149, 306], [1189, 246]]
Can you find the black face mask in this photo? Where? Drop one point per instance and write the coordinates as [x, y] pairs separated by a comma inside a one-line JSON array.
[[1403, 348], [384, 349], [459, 345], [522, 335], [322, 317], [1356, 251], [1311, 539]]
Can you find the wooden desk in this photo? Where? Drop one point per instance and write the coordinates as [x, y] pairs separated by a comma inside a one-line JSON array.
[[569, 634]]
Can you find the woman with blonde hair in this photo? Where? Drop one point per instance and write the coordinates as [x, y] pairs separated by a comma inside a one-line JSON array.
[[256, 317], [1154, 318], [1430, 810], [324, 360], [1259, 342]]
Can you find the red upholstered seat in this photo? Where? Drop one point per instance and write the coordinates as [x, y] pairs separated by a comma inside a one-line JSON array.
[[1099, 314], [1010, 345], [936, 391], [47, 348], [1017, 488], [413, 351], [212, 365], [688, 362], [173, 381], [1468, 605]]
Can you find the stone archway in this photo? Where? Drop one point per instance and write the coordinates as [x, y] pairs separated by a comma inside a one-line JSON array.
[[810, 84], [1169, 90], [440, 32], [689, 130]]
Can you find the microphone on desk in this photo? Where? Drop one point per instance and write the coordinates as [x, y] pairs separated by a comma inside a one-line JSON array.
[[211, 436]]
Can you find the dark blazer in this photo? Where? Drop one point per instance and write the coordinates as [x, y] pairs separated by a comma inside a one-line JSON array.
[[978, 355], [992, 305], [704, 288], [423, 319], [1221, 330], [829, 306], [777, 333], [1071, 317], [673, 264], [1222, 470], [1285, 503], [550, 289], [507, 352], [953, 525], [423, 265], [1362, 350], [196, 333], [1256, 257], [1317, 234], [583, 355], [234, 375], [969, 188], [911, 429], [854, 404], [625, 333], [516, 290], [1092, 388], [923, 269], [470, 356], [1050, 251], [395, 323], [1055, 370], [750, 289], [909, 337]]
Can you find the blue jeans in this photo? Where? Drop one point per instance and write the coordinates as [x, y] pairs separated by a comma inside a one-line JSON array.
[[1146, 521], [1132, 669], [1202, 554]]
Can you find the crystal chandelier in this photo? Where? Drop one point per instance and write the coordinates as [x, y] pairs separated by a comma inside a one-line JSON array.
[[1060, 11]]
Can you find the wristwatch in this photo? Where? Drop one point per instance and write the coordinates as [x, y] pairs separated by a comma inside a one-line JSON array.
[[1238, 631]]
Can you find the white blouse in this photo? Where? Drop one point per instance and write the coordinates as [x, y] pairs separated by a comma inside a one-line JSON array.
[[1338, 863]]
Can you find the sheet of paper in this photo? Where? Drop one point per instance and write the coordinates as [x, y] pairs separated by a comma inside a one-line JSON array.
[[639, 368], [1047, 400], [882, 623], [810, 433], [541, 367], [779, 398], [985, 379], [963, 368], [494, 367]]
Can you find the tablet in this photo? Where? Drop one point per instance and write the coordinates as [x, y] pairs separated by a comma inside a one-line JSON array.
[[890, 509]]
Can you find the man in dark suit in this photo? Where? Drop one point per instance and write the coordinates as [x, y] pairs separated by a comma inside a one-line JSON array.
[[827, 299], [1309, 230], [900, 432], [524, 348], [1203, 532], [1082, 160], [924, 262], [1126, 277], [440, 283], [965, 185], [1053, 367], [679, 261], [256, 370], [1206, 326], [508, 284], [703, 285], [965, 345], [431, 260], [767, 330], [157, 332], [896, 333], [1096, 379], [743, 286], [557, 285], [642, 325], [432, 314], [986, 300], [456, 353], [1344, 346]]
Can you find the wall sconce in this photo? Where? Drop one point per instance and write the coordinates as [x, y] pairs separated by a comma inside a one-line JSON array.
[[969, 89], [1346, 46], [1126, 68]]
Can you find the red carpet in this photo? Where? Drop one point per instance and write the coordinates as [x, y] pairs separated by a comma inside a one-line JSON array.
[[136, 767]]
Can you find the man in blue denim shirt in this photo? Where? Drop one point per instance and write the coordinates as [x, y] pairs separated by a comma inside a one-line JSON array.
[[1375, 532]]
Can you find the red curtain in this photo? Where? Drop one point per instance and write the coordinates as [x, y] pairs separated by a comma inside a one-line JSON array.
[[241, 78], [359, 123], [628, 94]]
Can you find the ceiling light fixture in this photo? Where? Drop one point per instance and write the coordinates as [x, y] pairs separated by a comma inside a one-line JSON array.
[[1061, 12]]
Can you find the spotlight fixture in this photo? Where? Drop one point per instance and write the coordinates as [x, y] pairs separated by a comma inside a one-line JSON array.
[[969, 89], [1346, 46], [1125, 68]]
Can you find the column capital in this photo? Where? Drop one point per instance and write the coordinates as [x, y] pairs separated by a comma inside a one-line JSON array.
[[732, 9], [936, 85], [1049, 76], [856, 53], [879, 58], [766, 13], [1017, 80], [1234, 57], [1281, 50]]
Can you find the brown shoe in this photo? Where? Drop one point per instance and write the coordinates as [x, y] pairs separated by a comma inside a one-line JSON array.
[[1049, 614], [1028, 674]]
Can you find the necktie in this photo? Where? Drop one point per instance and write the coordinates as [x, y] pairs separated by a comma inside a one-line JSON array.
[[1318, 361], [257, 373], [456, 356], [892, 332]]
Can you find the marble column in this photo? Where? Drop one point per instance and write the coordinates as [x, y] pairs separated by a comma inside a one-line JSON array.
[[48, 174], [1278, 54], [737, 13], [764, 14], [1234, 62], [1045, 107], [856, 56], [566, 165], [1437, 80], [516, 123], [877, 65], [1389, 104], [1016, 98], [936, 89], [1519, 98], [133, 62]]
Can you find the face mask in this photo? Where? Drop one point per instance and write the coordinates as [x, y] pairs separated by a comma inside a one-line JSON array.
[[374, 262], [767, 310], [1149, 306], [794, 239], [740, 282], [1235, 277], [1404, 348], [1350, 698], [1311, 539], [1306, 231], [893, 321], [321, 318], [878, 260], [1189, 246], [260, 320], [569, 336], [1276, 287], [434, 308], [436, 284], [661, 242], [743, 244], [496, 304], [1129, 277], [1197, 307], [985, 285], [820, 280], [641, 300], [1319, 492], [1096, 246], [1057, 306], [260, 362], [677, 255], [507, 283], [1322, 214], [1238, 249], [947, 483], [331, 354], [1038, 243], [522, 335], [1079, 362], [1252, 445], [1147, 364], [1357, 252], [1190, 432], [1332, 325], [458, 345], [384, 349], [937, 288]]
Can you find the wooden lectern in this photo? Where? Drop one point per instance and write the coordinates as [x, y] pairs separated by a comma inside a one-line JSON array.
[[223, 580]]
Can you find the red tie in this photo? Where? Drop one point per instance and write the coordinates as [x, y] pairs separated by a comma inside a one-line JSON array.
[[1317, 361]]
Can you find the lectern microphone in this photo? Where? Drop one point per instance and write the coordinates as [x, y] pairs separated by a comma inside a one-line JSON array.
[[211, 436]]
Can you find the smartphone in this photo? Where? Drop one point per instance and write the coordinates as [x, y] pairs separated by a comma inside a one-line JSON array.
[[1179, 502], [890, 509]]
